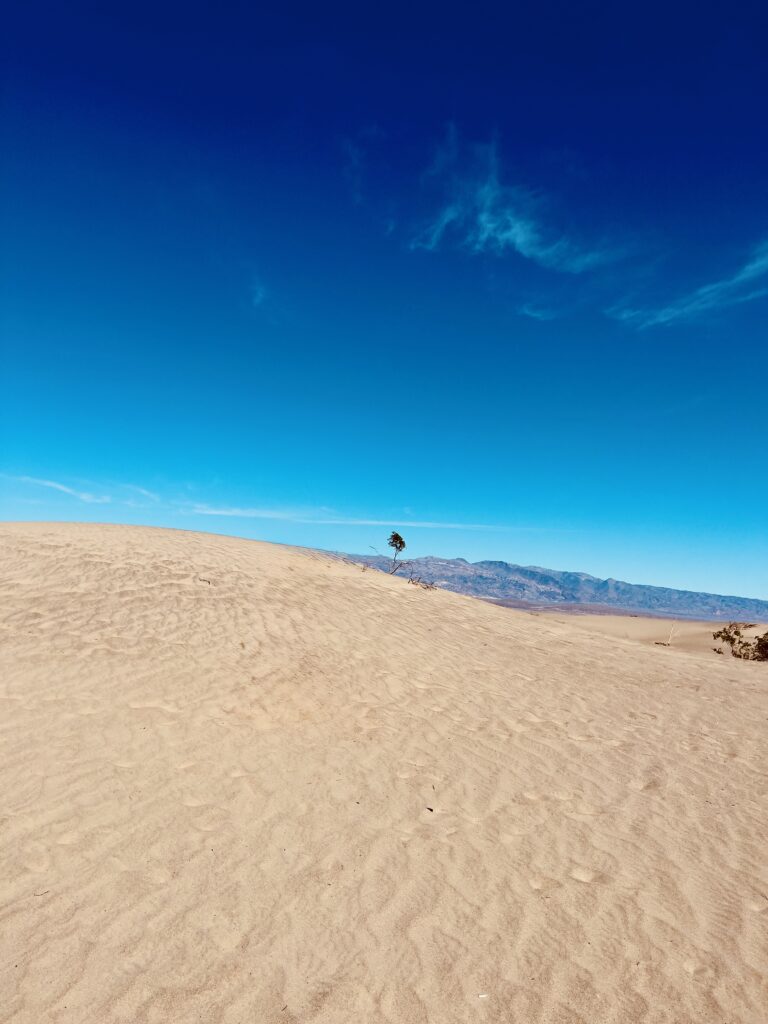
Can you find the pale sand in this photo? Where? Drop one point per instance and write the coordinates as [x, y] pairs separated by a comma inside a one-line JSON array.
[[680, 634], [247, 783]]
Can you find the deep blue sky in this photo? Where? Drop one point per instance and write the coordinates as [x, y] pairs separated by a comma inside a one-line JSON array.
[[495, 277]]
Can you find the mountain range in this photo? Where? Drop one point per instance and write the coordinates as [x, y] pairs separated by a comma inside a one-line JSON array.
[[529, 586]]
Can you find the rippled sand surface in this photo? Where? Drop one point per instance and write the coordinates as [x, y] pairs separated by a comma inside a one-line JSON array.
[[248, 783]]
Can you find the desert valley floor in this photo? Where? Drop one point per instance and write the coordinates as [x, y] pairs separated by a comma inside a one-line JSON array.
[[242, 782]]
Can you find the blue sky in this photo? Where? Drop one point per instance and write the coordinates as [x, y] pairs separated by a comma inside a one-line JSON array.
[[498, 280]]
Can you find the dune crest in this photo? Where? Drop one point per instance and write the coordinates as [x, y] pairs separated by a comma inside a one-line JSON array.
[[244, 782]]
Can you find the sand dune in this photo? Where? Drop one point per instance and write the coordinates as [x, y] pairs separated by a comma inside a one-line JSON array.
[[242, 782], [678, 634]]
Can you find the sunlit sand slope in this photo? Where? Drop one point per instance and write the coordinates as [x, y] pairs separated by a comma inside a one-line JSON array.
[[248, 783]]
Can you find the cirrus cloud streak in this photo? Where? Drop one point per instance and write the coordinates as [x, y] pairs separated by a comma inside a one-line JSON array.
[[743, 286]]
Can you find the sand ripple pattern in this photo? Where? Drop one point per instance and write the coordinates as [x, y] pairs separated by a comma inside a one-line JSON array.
[[241, 782]]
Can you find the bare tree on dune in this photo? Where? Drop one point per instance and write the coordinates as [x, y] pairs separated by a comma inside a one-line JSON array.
[[398, 544]]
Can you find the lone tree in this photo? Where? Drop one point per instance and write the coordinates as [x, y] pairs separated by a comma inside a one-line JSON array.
[[398, 544]]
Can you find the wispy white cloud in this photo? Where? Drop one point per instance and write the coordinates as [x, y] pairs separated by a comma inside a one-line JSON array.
[[483, 215], [200, 509], [536, 312], [321, 519], [747, 284], [54, 485], [316, 516], [117, 498], [150, 495]]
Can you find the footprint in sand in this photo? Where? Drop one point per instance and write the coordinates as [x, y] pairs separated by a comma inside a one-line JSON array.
[[584, 812], [586, 875], [542, 883], [645, 785], [699, 971]]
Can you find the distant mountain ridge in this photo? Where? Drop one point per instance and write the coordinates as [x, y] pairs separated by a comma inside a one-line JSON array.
[[530, 585]]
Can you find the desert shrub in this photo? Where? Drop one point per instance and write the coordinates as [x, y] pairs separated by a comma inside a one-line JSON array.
[[419, 581], [742, 646]]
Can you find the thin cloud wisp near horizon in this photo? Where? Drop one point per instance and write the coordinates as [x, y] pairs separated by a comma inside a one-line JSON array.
[[54, 485], [318, 519]]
